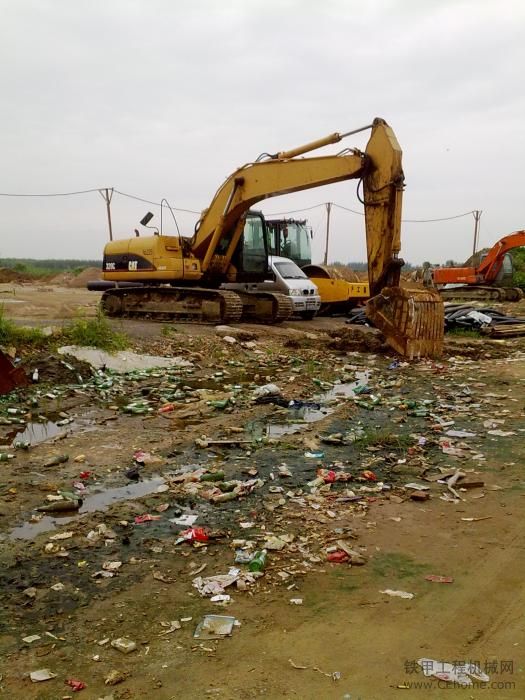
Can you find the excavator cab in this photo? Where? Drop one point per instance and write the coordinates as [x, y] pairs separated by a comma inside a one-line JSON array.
[[251, 255]]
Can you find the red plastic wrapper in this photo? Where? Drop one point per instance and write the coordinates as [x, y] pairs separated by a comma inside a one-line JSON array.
[[435, 578], [329, 477], [146, 518], [195, 534], [368, 475], [167, 408], [338, 557], [85, 475], [76, 685]]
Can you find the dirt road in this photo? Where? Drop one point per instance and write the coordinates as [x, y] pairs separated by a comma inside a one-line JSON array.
[[394, 426]]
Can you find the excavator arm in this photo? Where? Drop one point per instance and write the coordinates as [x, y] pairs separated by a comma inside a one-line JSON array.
[[412, 320], [379, 169], [491, 264]]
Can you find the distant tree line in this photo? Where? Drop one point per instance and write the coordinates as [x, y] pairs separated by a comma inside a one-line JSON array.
[[28, 264], [363, 266]]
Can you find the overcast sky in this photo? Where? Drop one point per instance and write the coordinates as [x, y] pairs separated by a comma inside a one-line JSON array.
[[165, 98]]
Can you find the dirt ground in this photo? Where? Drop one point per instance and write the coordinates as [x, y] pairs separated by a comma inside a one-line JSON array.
[[379, 425]]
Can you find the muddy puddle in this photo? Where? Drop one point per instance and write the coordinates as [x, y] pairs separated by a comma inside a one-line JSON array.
[[301, 414], [95, 502], [36, 432]]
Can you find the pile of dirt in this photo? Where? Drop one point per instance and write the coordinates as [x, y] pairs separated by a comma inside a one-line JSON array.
[[358, 339], [53, 370], [7, 275], [79, 281]]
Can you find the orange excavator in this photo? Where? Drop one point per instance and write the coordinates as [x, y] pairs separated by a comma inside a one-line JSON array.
[[486, 279]]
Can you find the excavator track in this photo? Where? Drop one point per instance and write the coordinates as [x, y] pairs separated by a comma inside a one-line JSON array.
[[266, 307], [188, 304], [482, 293]]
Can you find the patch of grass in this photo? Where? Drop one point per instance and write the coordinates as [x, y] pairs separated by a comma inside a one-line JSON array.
[[95, 332], [396, 565], [11, 334], [383, 436], [464, 333], [166, 331]]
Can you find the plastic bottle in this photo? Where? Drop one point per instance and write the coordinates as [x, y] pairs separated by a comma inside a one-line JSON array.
[[259, 560], [4, 456]]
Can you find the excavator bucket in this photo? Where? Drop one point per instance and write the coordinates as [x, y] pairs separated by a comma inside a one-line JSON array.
[[412, 320], [10, 377]]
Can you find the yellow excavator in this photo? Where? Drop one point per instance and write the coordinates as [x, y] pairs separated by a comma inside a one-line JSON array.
[[181, 278]]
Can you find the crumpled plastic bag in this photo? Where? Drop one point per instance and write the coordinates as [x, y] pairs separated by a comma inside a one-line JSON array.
[[453, 673]]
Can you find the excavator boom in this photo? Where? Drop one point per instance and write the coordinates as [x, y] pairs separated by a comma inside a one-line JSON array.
[[379, 168]]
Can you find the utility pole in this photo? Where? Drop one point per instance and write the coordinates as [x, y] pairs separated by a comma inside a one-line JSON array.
[[328, 210], [477, 216], [107, 194]]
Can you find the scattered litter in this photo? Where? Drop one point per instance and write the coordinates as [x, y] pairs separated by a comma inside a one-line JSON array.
[[435, 578], [31, 638], [114, 677], [61, 536], [146, 518], [460, 433], [214, 627], [194, 534], [184, 520], [221, 598], [123, 361], [398, 594], [76, 685], [453, 673], [265, 391], [275, 543], [172, 627], [157, 575], [417, 487], [124, 645], [475, 520], [296, 601], [335, 675], [43, 674]]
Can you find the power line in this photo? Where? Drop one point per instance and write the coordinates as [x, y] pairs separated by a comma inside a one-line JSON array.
[[340, 206], [295, 211], [430, 221], [360, 213], [53, 194], [192, 211], [94, 189], [157, 204]]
